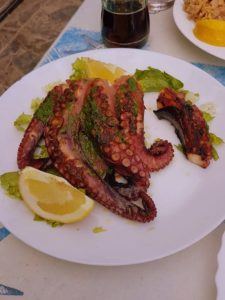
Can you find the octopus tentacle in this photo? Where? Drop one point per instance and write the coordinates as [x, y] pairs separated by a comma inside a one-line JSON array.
[[126, 188], [62, 142], [103, 126], [130, 111], [158, 156], [189, 123], [27, 147], [34, 132], [119, 130]]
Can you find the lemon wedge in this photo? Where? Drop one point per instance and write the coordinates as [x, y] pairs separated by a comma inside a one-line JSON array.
[[211, 32], [52, 197], [98, 69], [89, 68]]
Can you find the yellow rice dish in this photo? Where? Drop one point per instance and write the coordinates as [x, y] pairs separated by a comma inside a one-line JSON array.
[[205, 9]]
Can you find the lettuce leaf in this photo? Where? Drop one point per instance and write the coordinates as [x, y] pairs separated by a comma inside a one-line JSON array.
[[22, 122], [35, 104], [180, 148], [98, 229], [192, 97], [154, 80], [207, 116], [49, 222], [79, 69], [10, 183], [215, 140], [215, 155], [41, 152]]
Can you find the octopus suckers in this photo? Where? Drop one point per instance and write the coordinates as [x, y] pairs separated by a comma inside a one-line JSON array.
[[126, 162]]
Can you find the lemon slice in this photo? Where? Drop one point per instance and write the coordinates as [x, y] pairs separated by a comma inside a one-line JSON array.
[[96, 69], [211, 32], [52, 197]]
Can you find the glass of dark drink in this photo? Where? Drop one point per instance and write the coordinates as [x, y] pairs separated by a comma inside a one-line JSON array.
[[125, 23]]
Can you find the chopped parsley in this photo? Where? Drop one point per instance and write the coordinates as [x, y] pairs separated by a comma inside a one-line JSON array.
[[45, 110], [135, 108], [121, 137], [132, 84], [123, 88], [92, 117]]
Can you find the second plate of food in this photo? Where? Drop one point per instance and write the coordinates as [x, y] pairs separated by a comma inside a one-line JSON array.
[[186, 27]]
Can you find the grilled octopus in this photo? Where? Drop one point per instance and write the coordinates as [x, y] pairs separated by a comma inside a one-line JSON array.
[[189, 124], [92, 131], [121, 138], [35, 130], [65, 142]]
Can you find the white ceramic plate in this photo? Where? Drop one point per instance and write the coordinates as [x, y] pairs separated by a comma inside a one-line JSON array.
[[186, 27], [220, 275], [190, 200]]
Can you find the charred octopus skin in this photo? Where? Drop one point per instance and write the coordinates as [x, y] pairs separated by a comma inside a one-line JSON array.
[[65, 141], [121, 136], [34, 132], [130, 113], [189, 124], [101, 124]]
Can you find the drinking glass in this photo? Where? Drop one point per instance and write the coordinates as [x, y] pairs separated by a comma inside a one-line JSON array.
[[125, 23], [158, 5]]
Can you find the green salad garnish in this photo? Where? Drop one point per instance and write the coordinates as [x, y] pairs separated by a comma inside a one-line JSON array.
[[22, 122], [98, 229], [207, 116], [10, 184], [215, 140], [79, 69], [132, 84], [35, 103], [45, 111], [41, 152], [179, 148], [215, 154], [49, 222], [154, 80]]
